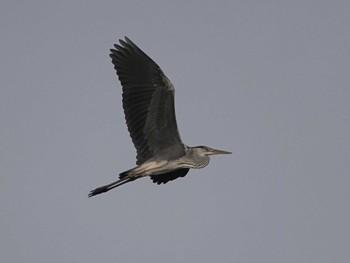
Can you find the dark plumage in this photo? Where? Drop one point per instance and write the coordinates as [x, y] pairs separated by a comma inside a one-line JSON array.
[[148, 102]]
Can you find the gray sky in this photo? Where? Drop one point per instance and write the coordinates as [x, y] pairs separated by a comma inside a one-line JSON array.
[[267, 80]]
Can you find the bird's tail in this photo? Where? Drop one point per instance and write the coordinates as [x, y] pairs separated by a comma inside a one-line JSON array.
[[124, 174]]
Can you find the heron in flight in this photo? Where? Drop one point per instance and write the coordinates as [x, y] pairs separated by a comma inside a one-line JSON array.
[[148, 102]]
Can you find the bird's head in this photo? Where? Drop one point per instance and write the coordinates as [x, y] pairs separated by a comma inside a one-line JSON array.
[[205, 150]]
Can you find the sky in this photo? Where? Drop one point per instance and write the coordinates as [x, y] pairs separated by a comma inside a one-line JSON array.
[[267, 80]]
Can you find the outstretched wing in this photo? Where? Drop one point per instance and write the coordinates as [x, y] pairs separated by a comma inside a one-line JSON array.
[[148, 101], [164, 178]]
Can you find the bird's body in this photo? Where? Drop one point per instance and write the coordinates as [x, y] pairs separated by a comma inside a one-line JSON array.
[[148, 102]]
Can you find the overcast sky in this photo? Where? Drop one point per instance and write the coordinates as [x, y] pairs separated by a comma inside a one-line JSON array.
[[267, 80]]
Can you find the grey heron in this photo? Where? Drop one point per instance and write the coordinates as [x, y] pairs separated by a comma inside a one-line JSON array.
[[148, 102]]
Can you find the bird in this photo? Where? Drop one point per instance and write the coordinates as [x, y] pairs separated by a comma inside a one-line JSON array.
[[148, 103]]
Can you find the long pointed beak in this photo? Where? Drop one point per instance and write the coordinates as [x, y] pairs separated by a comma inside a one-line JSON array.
[[215, 151]]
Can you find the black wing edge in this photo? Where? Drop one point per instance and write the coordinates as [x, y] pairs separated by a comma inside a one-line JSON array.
[[127, 44], [170, 176]]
